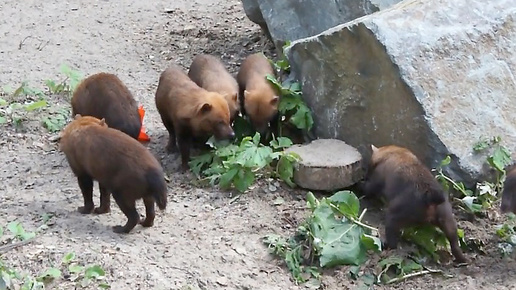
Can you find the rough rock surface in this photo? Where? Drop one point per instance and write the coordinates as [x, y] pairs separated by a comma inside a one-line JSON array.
[[294, 19], [327, 164], [434, 76]]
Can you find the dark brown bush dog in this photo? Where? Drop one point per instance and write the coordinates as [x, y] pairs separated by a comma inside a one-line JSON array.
[[413, 195], [104, 96], [120, 164]]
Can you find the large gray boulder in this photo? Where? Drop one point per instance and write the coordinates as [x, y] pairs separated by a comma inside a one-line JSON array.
[[431, 75], [289, 20]]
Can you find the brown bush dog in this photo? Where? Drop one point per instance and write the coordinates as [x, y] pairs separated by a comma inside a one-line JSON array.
[[509, 192], [413, 195], [258, 97], [190, 112], [104, 96], [209, 73], [121, 164]]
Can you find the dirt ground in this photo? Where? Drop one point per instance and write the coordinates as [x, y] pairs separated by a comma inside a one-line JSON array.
[[205, 239]]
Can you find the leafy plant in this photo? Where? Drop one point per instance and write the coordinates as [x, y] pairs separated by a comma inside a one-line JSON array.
[[15, 112], [486, 193], [16, 228], [333, 235], [55, 121], [470, 202], [499, 158], [239, 165], [291, 107], [68, 84], [507, 233]]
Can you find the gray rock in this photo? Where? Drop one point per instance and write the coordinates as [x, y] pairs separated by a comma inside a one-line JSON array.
[[327, 164], [294, 19], [253, 12], [431, 75]]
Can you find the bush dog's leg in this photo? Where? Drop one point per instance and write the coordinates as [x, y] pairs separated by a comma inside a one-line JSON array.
[[184, 142], [129, 209], [149, 212], [105, 202], [86, 185], [172, 145], [448, 225]]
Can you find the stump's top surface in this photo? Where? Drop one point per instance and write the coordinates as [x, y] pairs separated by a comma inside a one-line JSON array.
[[326, 153]]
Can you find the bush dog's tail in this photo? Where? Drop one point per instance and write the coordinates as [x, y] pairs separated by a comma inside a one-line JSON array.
[[157, 187]]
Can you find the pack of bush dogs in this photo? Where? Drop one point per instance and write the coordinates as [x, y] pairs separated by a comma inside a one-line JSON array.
[[101, 143]]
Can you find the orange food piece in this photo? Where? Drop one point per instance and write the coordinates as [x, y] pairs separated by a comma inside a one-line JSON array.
[[143, 136]]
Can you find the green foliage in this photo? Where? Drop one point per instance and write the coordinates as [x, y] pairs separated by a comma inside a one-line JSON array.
[[428, 239], [333, 234], [16, 228], [238, 165], [507, 233], [395, 267], [486, 193], [292, 108], [15, 112], [56, 119], [473, 202], [11, 278], [68, 84], [53, 118]]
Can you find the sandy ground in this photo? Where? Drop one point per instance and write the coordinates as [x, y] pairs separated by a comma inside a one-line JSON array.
[[205, 239]]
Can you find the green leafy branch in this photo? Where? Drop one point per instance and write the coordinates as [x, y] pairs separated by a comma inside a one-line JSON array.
[[333, 234], [239, 165]]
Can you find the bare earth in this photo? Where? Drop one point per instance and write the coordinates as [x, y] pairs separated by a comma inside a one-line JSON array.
[[205, 239]]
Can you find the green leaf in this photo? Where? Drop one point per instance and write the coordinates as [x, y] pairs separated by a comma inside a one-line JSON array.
[[227, 178], [74, 268], [311, 201], [36, 105], [281, 142], [51, 273], [410, 266], [446, 161], [500, 159], [94, 272], [198, 162], [372, 243], [104, 285], [68, 258], [390, 261], [347, 203], [338, 243], [302, 119], [256, 139], [3, 102], [1, 231], [3, 120], [285, 170], [243, 179]]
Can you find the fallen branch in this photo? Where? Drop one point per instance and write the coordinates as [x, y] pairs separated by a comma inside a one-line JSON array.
[[420, 273], [9, 247]]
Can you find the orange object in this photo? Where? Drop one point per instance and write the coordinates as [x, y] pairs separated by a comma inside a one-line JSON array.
[[143, 136]]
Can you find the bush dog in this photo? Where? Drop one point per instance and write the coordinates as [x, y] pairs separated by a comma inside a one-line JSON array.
[[190, 112], [104, 96], [259, 98], [120, 164], [509, 192], [413, 195], [209, 73]]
